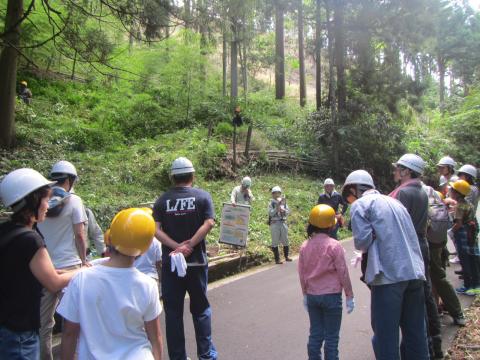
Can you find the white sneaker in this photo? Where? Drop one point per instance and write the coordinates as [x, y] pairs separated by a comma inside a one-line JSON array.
[[455, 260]]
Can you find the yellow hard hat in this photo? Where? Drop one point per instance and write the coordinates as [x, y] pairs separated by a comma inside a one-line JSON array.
[[461, 186], [23, 82], [106, 237], [440, 195], [322, 216], [132, 231], [147, 210]]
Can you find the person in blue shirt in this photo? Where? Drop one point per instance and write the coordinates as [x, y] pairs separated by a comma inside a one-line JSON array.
[[334, 200], [184, 216], [395, 271]]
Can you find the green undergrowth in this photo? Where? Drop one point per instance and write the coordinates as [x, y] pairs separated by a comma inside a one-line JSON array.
[[116, 174]]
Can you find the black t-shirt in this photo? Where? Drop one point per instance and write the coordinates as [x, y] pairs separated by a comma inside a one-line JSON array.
[[181, 211], [415, 200], [237, 120], [20, 291], [334, 201]]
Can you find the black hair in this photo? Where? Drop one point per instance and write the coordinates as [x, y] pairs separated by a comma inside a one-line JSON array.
[[61, 178], [346, 192], [414, 174], [311, 229], [32, 203], [182, 178], [468, 177]]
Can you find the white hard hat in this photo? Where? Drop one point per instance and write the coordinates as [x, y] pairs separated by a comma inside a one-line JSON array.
[[181, 165], [447, 161], [468, 169], [62, 167], [359, 177], [328, 181], [17, 184], [442, 181], [454, 178], [246, 182], [412, 162], [276, 189]]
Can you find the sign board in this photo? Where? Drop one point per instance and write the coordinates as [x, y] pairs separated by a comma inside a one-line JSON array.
[[234, 224]]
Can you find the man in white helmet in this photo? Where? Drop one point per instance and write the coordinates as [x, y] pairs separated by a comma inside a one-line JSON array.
[[184, 215], [334, 200], [383, 229], [242, 194], [65, 237], [407, 174], [469, 174], [277, 219], [446, 167]]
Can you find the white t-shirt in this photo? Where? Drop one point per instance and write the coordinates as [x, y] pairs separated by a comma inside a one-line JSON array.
[[111, 306], [147, 263], [59, 233]]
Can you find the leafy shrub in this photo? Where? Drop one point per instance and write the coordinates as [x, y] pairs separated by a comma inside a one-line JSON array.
[[224, 129], [83, 138], [210, 159]]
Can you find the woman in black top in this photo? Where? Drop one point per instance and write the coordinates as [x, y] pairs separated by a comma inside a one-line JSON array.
[[25, 266]]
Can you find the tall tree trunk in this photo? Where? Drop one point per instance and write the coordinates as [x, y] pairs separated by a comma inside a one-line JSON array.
[[130, 38], [452, 82], [318, 54], [466, 87], [234, 66], [279, 51], [202, 20], [224, 63], [331, 103], [441, 76], [188, 13], [8, 73], [301, 56], [243, 63], [72, 75], [340, 56], [331, 59]]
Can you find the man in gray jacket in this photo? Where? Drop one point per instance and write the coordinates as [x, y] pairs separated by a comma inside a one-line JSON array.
[[408, 170], [383, 229]]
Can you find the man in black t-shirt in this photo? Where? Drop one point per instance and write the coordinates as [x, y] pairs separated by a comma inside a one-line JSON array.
[[334, 200], [184, 216]]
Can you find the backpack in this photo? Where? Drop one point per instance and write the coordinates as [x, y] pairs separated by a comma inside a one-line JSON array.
[[57, 201], [438, 220]]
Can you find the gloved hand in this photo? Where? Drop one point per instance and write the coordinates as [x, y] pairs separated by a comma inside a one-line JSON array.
[[305, 303], [350, 304], [356, 259]]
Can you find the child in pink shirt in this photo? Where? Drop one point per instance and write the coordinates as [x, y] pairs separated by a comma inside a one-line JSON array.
[[323, 274]]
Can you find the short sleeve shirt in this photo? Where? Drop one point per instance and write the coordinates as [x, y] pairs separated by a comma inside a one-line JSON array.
[[20, 291], [464, 212], [147, 262], [111, 305], [59, 234], [181, 211]]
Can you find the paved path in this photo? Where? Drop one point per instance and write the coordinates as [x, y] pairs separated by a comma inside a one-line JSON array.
[[260, 316]]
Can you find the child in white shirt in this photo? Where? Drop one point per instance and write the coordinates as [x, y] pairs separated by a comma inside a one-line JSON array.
[[112, 309]]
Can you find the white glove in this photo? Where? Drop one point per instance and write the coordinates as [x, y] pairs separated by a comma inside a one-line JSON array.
[[450, 233], [305, 303], [356, 259], [350, 304]]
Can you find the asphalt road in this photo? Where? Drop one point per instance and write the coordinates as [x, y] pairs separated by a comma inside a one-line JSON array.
[[259, 316]]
